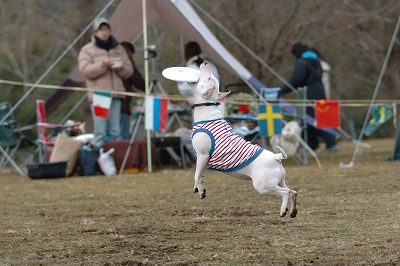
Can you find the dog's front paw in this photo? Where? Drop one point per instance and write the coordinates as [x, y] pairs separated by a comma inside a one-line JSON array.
[[283, 214], [293, 213], [203, 195]]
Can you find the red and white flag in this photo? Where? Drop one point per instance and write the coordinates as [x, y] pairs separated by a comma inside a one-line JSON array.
[[101, 103]]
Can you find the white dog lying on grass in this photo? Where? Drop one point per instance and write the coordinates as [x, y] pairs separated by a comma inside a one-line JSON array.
[[218, 149]]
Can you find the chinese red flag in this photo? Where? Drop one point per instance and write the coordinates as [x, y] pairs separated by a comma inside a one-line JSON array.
[[327, 114]]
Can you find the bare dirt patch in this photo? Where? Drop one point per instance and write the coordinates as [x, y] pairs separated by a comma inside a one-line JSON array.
[[346, 217]]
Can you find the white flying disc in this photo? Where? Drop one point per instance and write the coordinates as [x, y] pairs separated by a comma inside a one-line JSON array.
[[184, 74]]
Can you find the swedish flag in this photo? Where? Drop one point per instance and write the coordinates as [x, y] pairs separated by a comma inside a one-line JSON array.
[[269, 120]]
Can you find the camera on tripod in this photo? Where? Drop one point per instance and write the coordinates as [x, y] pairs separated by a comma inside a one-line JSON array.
[[152, 49]]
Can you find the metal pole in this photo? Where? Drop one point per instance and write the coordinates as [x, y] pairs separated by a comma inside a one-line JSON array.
[[146, 79], [378, 84], [64, 119]]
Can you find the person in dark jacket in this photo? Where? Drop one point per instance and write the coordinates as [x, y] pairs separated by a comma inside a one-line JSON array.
[[194, 57], [134, 83], [307, 73]]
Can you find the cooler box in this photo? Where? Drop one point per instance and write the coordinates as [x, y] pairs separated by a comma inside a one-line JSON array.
[[47, 170]]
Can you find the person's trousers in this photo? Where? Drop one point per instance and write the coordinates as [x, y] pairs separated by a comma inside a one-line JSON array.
[[313, 135], [125, 126], [107, 129]]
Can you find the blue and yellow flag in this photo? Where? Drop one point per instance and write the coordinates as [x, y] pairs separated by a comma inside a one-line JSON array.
[[269, 120]]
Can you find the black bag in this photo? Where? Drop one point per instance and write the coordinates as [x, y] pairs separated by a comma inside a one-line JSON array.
[[87, 161]]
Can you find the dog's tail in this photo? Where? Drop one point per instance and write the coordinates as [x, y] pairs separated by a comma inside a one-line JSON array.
[[281, 155]]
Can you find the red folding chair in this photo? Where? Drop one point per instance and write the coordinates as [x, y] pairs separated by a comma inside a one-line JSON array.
[[45, 143]]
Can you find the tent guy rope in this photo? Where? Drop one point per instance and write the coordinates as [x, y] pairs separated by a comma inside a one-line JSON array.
[[178, 97]]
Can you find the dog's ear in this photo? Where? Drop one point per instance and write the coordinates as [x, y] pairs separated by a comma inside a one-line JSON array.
[[222, 95], [206, 93]]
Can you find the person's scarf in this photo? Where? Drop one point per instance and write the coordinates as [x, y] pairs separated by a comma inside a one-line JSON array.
[[310, 54], [106, 45]]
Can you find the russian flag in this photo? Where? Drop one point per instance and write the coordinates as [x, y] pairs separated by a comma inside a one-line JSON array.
[[156, 113]]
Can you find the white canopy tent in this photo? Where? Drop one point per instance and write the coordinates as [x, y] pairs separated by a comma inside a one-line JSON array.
[[179, 15], [126, 24]]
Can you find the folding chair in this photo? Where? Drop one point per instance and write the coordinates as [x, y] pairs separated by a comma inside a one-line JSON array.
[[11, 139], [45, 143], [302, 153]]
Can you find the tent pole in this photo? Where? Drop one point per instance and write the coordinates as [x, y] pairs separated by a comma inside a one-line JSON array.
[[182, 49], [146, 79], [64, 119], [53, 64], [378, 84]]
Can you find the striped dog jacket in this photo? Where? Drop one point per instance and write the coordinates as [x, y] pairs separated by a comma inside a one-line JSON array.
[[229, 152]]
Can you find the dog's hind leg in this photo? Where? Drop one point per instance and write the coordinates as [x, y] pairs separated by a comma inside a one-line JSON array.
[[285, 199], [275, 190], [201, 164], [201, 144], [293, 203], [292, 198]]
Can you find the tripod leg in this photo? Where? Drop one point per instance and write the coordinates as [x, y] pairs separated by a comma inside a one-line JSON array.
[[128, 150]]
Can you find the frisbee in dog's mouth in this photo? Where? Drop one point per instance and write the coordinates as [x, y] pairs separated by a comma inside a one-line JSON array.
[[183, 74]]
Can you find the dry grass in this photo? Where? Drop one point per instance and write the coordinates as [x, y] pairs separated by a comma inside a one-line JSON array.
[[346, 217]]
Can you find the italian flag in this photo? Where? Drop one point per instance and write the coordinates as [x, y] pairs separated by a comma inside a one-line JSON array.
[[101, 103], [156, 113]]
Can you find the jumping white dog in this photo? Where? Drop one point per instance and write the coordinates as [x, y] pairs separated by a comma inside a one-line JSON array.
[[219, 149]]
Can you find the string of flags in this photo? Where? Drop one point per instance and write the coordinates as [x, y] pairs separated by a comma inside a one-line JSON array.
[[327, 114], [156, 109]]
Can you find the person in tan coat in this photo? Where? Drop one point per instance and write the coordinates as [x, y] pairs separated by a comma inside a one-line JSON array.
[[105, 64]]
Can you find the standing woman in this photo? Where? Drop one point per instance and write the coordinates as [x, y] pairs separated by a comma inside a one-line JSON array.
[[105, 64]]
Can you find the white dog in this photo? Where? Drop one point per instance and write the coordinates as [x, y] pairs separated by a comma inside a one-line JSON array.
[[219, 149], [289, 139]]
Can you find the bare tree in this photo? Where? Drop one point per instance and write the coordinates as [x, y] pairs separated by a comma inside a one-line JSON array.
[[353, 37]]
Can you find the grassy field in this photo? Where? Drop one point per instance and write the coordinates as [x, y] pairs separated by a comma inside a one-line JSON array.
[[347, 216]]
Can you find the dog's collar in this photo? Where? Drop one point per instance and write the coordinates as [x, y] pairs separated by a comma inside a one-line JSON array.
[[205, 104]]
